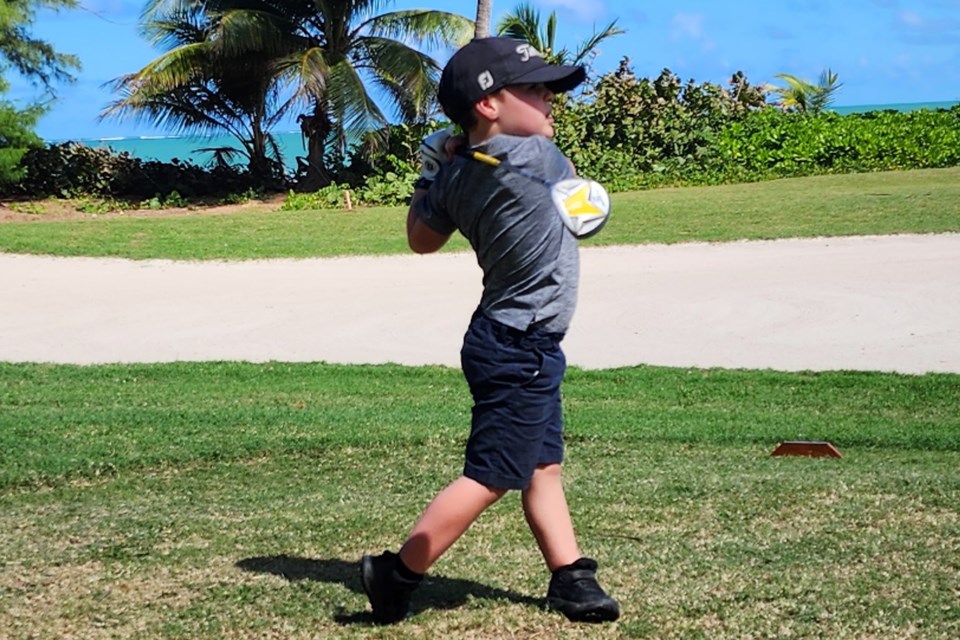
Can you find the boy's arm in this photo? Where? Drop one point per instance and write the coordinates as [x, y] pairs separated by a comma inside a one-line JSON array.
[[435, 150], [420, 237]]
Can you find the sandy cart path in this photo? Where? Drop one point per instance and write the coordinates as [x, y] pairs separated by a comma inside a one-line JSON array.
[[889, 303]]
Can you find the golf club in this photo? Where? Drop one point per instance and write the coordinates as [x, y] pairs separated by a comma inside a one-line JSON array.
[[583, 205]]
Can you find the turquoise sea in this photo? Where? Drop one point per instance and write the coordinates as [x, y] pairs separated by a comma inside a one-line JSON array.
[[192, 148], [186, 148]]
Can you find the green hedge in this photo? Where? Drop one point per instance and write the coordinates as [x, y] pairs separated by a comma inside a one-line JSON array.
[[774, 144]]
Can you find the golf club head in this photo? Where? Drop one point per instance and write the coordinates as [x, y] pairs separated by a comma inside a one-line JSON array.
[[583, 205]]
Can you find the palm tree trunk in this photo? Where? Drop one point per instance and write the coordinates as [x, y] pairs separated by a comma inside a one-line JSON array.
[[484, 9], [316, 129]]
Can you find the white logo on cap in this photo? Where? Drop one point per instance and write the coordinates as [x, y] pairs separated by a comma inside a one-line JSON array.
[[485, 80], [527, 51]]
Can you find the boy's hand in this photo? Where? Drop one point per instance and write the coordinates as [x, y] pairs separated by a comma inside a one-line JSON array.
[[434, 152]]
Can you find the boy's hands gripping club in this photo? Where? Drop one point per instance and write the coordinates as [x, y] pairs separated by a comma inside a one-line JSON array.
[[435, 151]]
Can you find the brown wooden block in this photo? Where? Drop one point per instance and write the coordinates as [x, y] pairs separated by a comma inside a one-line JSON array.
[[808, 448]]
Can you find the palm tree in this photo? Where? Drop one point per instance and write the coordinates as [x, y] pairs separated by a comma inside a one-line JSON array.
[[484, 10], [338, 51], [803, 96], [199, 87], [525, 24], [323, 57]]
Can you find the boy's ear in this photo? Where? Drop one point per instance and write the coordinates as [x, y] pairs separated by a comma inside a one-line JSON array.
[[488, 107]]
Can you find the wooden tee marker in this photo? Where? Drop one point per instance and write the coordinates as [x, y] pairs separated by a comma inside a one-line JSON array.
[[812, 449]]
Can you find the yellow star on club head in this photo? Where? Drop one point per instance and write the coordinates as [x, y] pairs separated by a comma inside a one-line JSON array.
[[578, 203]]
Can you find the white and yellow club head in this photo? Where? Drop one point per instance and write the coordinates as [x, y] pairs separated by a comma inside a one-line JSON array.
[[583, 205]]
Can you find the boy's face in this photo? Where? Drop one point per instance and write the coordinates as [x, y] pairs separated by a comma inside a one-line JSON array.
[[524, 110]]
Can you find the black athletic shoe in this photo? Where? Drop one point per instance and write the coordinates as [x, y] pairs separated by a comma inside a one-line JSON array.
[[574, 592], [388, 591]]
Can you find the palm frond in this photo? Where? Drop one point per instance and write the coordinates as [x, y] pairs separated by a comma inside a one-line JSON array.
[[524, 24], [175, 28], [587, 48], [826, 90], [351, 105], [242, 31], [797, 94], [174, 69], [312, 71], [431, 29], [408, 75]]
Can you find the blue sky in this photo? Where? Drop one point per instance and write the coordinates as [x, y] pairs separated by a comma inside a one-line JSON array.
[[885, 51]]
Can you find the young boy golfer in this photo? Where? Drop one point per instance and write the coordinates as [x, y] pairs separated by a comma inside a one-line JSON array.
[[500, 91]]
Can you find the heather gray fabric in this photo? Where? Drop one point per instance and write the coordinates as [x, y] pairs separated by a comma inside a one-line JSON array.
[[530, 262]]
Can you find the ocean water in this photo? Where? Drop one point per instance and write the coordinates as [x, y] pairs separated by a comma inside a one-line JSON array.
[[195, 149], [187, 148], [899, 106]]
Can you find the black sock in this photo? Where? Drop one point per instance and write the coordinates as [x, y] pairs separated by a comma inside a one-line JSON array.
[[406, 572]]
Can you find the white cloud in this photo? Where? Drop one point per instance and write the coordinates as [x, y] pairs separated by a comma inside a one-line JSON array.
[[928, 30], [585, 10], [911, 19], [688, 25]]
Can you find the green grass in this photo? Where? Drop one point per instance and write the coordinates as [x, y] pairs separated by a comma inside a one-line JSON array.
[[64, 422], [232, 500], [926, 201]]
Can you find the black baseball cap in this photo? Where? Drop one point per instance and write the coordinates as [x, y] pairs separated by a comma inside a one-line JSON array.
[[486, 65]]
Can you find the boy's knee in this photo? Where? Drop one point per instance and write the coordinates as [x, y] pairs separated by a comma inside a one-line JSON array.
[[493, 493], [550, 469], [497, 492], [545, 475]]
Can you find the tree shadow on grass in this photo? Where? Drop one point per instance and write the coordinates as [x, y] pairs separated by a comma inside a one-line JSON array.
[[436, 592]]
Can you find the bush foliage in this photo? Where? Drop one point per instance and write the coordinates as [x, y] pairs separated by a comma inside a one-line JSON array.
[[776, 144], [634, 133], [16, 139], [625, 131], [73, 170], [631, 132]]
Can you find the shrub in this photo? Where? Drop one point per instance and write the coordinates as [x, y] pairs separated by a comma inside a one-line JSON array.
[[16, 139], [383, 178], [633, 132], [329, 197], [74, 170]]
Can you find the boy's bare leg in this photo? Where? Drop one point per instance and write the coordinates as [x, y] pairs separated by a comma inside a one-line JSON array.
[[444, 520], [545, 507]]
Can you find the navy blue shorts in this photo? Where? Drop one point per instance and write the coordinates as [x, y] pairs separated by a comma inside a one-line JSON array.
[[517, 424]]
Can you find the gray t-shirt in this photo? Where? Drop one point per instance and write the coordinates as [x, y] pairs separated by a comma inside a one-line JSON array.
[[530, 262]]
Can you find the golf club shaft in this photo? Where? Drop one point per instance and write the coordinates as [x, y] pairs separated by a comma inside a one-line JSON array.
[[495, 162]]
